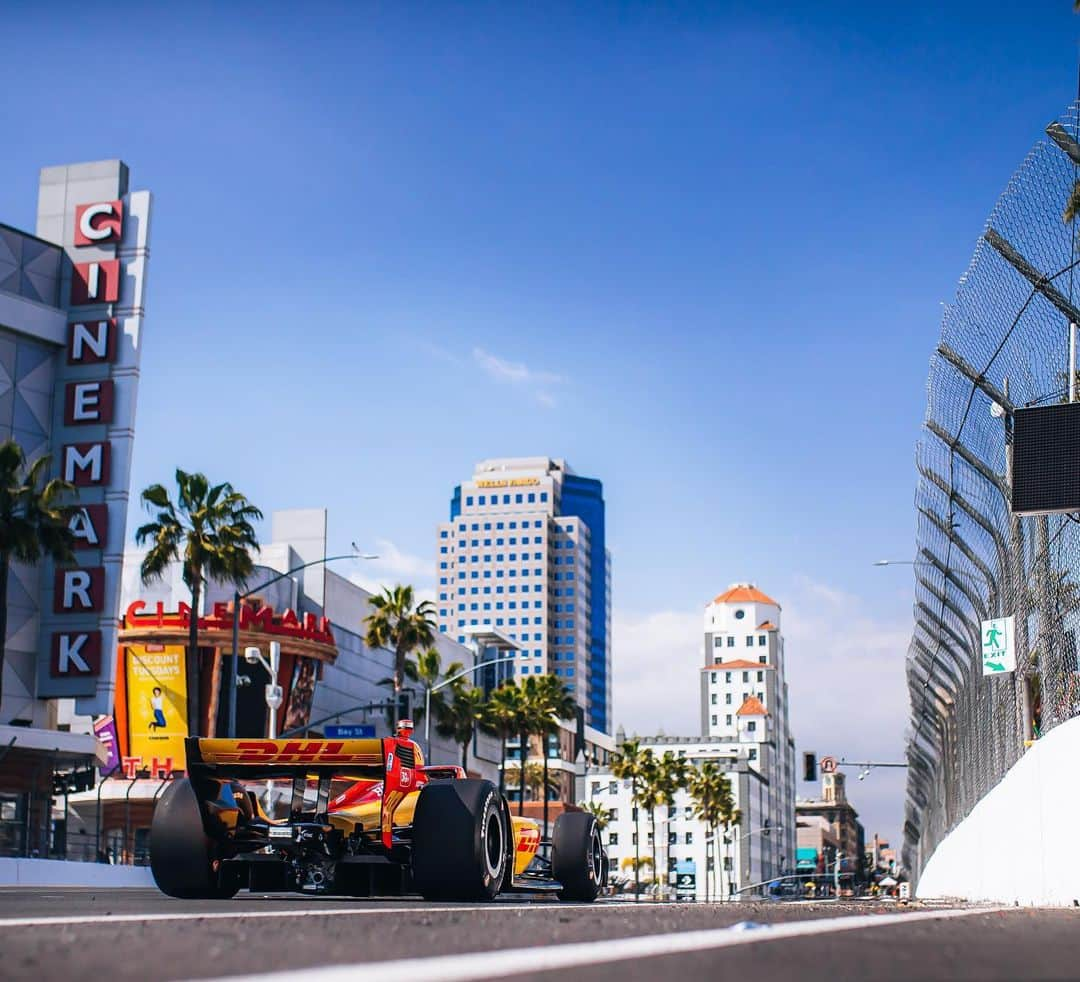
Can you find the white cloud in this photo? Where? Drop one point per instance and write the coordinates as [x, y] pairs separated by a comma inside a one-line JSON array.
[[845, 670], [846, 683], [519, 374], [656, 658], [396, 566]]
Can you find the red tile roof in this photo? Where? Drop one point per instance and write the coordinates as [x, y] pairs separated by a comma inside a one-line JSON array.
[[738, 663], [767, 626], [744, 593], [752, 707]]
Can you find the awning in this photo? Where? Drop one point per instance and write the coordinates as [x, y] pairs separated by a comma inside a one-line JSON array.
[[65, 747]]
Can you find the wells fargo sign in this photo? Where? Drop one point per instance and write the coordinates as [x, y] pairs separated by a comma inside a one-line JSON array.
[[516, 482]]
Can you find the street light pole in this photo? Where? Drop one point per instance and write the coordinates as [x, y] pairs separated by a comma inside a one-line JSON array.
[[442, 685], [238, 596]]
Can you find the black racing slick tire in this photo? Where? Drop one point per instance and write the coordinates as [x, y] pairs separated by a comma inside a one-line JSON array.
[[460, 844], [182, 858], [577, 857]]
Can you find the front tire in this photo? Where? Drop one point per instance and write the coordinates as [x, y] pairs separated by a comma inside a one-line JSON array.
[[577, 857], [460, 841], [182, 858]]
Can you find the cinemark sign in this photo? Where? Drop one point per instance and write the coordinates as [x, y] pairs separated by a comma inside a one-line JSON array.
[[88, 402]]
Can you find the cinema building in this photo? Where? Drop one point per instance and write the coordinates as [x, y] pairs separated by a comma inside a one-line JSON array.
[[71, 311]]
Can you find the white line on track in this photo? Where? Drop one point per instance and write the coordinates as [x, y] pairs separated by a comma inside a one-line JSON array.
[[194, 915], [519, 961]]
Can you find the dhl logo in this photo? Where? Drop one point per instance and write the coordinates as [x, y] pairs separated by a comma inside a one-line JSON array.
[[528, 840], [283, 752]]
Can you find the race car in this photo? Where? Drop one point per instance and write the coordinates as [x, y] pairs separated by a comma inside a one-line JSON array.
[[360, 817]]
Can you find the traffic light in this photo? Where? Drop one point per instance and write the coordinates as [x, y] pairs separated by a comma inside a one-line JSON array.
[[809, 765]]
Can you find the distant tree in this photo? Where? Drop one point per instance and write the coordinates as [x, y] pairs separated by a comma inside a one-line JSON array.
[[633, 763], [461, 716], [502, 713], [553, 703], [425, 668], [32, 521], [598, 811], [671, 778], [401, 625], [208, 530]]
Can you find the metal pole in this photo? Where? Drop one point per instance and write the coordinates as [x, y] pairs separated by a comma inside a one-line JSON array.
[[235, 663], [1072, 362], [427, 721]]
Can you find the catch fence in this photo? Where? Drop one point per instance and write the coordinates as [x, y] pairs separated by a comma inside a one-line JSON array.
[[1004, 346]]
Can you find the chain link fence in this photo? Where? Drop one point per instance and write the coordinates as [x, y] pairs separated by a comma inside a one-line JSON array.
[[1004, 345]]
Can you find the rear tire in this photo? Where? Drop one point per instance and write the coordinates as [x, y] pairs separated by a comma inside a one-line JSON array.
[[577, 857], [459, 841], [182, 856]]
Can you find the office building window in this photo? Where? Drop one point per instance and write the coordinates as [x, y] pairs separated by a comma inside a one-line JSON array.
[[714, 721], [761, 640], [749, 641], [728, 721], [731, 641], [718, 642], [468, 501], [761, 676]]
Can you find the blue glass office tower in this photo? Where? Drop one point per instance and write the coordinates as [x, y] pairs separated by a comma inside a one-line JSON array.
[[525, 552]]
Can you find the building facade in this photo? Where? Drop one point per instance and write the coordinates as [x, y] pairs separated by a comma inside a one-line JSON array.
[[525, 552], [833, 811], [692, 866], [744, 699], [72, 299]]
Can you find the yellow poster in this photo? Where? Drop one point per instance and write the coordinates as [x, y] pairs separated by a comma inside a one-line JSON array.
[[157, 704]]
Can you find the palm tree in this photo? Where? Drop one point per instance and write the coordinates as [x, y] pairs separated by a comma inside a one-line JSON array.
[[714, 805], [632, 764], [670, 780], [400, 625], [598, 811], [531, 719], [32, 524], [501, 714], [553, 703], [535, 779], [426, 670], [460, 717], [208, 529], [650, 797]]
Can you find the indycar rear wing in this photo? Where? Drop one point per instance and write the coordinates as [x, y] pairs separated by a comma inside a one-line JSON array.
[[255, 759], [393, 760]]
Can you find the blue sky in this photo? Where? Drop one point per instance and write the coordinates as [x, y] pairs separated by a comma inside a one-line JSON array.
[[699, 250]]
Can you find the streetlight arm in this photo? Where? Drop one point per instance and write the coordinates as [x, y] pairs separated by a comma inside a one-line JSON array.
[[442, 685], [296, 569]]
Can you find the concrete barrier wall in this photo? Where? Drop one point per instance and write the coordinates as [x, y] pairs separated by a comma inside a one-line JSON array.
[[1018, 845], [57, 873]]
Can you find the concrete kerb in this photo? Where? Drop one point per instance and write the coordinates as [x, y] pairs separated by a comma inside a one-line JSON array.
[[59, 873]]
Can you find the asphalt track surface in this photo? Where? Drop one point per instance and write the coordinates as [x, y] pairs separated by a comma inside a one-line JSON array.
[[139, 934]]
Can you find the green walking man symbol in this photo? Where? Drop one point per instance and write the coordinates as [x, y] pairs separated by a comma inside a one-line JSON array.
[[992, 636]]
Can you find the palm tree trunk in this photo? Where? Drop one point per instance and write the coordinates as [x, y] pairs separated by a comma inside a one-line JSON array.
[[465, 755], [523, 736], [637, 839], [5, 566], [194, 691], [655, 871], [502, 764], [544, 789]]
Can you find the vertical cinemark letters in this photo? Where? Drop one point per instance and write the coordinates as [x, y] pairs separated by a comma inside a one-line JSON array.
[[75, 653], [86, 464], [96, 282], [79, 591], [88, 402], [89, 525], [99, 223], [91, 342]]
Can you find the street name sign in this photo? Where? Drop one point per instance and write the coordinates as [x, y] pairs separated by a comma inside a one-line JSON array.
[[355, 731], [999, 646]]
